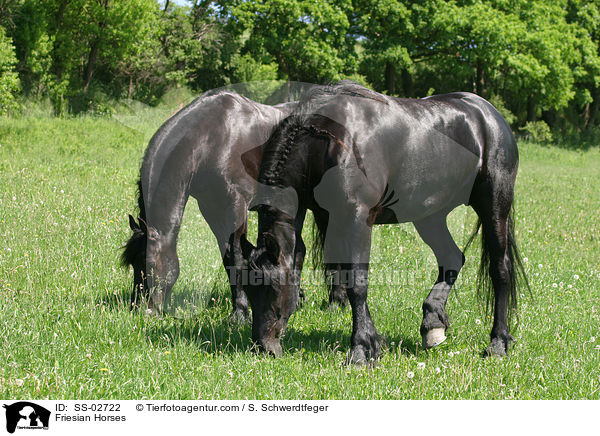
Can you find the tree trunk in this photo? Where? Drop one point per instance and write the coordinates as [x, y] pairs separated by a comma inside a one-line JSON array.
[[91, 65], [480, 78], [407, 83], [130, 90], [390, 78], [549, 117], [93, 56], [531, 109], [594, 109], [56, 62]]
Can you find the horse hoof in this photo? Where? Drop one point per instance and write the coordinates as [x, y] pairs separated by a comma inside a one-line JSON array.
[[334, 306], [357, 356], [151, 311], [272, 347], [434, 337], [497, 348]]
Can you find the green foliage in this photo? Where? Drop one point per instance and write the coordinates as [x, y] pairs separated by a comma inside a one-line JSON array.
[[305, 38], [9, 80], [388, 33], [248, 69], [537, 131], [539, 59], [499, 104]]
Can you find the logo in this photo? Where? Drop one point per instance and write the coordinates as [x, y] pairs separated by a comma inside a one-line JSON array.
[[26, 415]]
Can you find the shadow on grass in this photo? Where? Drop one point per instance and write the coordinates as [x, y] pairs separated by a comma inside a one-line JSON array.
[[202, 318]]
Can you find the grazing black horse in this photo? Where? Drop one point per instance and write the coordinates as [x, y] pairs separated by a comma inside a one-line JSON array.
[[210, 150], [357, 158]]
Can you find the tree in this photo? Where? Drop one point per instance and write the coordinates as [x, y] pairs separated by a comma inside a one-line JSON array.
[[9, 80], [388, 42], [63, 45], [522, 52], [307, 39]]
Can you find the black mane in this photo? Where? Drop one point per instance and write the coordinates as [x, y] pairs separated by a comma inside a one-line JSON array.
[[280, 148]]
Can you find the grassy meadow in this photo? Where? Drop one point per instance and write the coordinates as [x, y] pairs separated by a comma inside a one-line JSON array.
[[66, 332]]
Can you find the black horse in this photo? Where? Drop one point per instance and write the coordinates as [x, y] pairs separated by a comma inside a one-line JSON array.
[[357, 158], [210, 150]]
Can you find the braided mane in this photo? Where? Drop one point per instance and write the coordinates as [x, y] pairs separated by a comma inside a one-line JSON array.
[[282, 142]]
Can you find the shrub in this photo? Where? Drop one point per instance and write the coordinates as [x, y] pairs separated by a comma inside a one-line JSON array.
[[537, 131]]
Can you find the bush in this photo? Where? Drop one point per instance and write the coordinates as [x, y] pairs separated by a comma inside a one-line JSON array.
[[537, 131]]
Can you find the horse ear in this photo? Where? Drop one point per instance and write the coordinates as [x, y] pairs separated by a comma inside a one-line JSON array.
[[247, 247], [133, 225], [143, 225], [272, 246]]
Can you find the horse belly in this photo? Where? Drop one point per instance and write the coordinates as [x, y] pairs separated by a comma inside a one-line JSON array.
[[432, 177]]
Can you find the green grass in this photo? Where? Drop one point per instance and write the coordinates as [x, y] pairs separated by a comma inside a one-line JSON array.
[[67, 186]]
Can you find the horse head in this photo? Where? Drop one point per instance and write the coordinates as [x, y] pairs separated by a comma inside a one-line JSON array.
[[134, 254], [272, 285]]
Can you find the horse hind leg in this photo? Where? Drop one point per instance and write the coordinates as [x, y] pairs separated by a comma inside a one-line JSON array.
[[498, 251], [299, 255], [434, 232]]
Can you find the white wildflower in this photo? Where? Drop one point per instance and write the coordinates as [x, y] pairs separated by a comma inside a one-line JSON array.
[[410, 374], [576, 277]]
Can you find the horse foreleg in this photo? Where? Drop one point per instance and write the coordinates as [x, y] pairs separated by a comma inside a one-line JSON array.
[[338, 297], [299, 255], [337, 292], [348, 244], [227, 217], [434, 232], [365, 344], [234, 263]]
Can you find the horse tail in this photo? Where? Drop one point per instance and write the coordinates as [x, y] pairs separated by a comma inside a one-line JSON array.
[[516, 271], [137, 242]]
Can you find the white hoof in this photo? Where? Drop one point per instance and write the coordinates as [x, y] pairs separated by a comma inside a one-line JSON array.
[[152, 312], [434, 337]]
